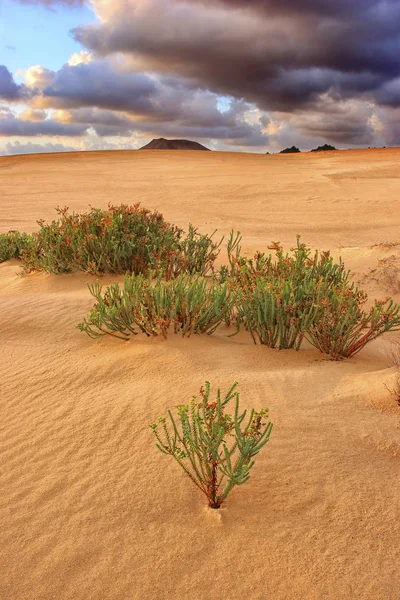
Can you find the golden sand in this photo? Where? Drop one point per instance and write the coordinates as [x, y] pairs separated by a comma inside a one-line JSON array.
[[89, 509]]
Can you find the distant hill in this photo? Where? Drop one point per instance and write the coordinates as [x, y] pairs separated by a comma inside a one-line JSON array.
[[323, 148], [291, 150], [163, 144]]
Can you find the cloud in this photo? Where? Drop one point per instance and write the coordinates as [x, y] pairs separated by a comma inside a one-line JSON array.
[[11, 125], [30, 114], [31, 148], [319, 7], [36, 77], [97, 84], [102, 122], [276, 54], [102, 95], [9, 90], [80, 57], [349, 121], [106, 123], [302, 71]]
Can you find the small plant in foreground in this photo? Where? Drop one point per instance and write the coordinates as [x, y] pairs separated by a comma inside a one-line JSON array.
[[214, 449]]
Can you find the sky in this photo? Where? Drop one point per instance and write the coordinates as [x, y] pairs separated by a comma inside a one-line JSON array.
[[234, 75]]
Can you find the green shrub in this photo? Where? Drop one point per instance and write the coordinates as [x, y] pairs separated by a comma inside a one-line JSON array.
[[189, 303], [341, 327], [216, 450], [278, 296], [122, 239], [12, 244], [276, 312], [295, 266], [285, 298]]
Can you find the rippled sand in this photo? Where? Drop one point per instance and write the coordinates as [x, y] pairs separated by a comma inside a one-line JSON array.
[[89, 509]]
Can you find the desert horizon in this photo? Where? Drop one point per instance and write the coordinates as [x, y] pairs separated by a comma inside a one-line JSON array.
[[90, 508]]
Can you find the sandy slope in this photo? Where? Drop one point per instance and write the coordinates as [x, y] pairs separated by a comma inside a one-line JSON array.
[[88, 508]]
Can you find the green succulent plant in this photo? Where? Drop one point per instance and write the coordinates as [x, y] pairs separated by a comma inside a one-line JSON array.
[[187, 304], [215, 449], [122, 239], [12, 244]]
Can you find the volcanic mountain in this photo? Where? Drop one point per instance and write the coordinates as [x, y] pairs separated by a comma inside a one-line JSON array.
[[163, 144]]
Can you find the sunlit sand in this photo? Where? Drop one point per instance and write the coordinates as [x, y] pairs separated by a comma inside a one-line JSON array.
[[89, 508]]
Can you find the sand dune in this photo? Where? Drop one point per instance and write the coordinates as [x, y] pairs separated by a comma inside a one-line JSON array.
[[89, 510]]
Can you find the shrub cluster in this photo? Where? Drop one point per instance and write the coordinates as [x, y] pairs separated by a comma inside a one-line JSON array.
[[216, 450], [171, 282], [279, 299], [118, 240]]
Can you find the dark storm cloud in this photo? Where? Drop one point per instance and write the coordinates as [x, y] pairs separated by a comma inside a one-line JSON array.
[[279, 54], [9, 90], [10, 125], [103, 122], [107, 123], [242, 134], [317, 68], [319, 7], [389, 93], [97, 84], [164, 105], [336, 130]]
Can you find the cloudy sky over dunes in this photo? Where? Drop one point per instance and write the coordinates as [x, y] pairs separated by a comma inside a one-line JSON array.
[[244, 75]]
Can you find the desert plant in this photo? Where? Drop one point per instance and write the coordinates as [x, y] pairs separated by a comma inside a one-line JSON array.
[[276, 312], [12, 244], [278, 296], [341, 327], [198, 253], [295, 266], [216, 450], [122, 239], [191, 304], [284, 298]]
